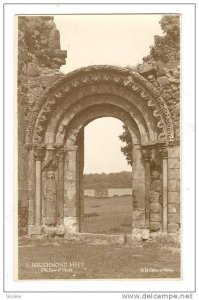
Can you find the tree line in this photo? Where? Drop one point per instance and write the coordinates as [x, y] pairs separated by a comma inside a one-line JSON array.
[[108, 181]]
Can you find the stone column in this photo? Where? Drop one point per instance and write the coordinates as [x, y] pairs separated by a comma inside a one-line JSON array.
[[71, 218], [81, 178], [164, 155], [60, 186], [147, 157], [36, 228], [138, 185]]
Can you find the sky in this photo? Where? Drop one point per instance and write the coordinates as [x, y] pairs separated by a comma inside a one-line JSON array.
[[120, 40]]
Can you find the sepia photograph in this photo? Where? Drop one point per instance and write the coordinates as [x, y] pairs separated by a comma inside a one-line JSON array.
[[98, 144]]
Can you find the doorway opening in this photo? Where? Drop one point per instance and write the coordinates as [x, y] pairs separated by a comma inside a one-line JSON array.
[[107, 180]]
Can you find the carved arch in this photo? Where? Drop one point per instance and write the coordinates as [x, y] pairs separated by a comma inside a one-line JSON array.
[[89, 78]]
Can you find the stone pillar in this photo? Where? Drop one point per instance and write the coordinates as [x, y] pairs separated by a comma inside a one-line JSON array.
[[138, 187], [81, 178], [147, 157], [173, 188], [36, 228], [71, 218], [31, 187], [60, 187], [164, 155]]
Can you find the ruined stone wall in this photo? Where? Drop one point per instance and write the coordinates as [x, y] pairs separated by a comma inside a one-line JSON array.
[[39, 61], [167, 81]]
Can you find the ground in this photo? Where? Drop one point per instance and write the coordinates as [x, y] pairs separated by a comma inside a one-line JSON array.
[[80, 260], [110, 215], [152, 259]]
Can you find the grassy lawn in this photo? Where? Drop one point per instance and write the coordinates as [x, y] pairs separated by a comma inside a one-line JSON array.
[[152, 259], [107, 215]]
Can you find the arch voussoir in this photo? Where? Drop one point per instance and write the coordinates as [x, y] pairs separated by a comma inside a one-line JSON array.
[[130, 80]]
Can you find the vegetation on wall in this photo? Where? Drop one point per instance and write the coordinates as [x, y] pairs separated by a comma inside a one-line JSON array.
[[166, 48], [165, 53]]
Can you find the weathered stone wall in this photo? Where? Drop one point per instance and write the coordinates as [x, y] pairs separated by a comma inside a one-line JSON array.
[[39, 60], [174, 189], [167, 82]]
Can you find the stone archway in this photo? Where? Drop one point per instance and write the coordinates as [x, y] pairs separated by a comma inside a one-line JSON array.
[[54, 137]]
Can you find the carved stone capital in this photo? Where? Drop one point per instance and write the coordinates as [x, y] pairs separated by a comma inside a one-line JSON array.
[[172, 142], [163, 152], [60, 155], [38, 153], [146, 154]]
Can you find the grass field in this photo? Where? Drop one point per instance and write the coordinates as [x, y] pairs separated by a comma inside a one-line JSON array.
[[87, 261], [107, 215]]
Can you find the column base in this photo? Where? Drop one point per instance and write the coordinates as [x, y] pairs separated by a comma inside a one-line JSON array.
[[35, 229], [139, 234], [71, 224]]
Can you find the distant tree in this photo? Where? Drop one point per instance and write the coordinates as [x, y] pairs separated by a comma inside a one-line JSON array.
[[127, 149], [107, 181]]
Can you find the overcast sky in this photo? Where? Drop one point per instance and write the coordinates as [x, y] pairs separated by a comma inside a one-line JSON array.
[[121, 40]]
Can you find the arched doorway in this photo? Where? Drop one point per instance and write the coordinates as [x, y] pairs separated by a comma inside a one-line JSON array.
[[107, 179], [55, 135]]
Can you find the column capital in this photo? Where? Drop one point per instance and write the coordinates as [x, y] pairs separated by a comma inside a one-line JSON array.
[[60, 154], [163, 151], [38, 152], [146, 152], [71, 148]]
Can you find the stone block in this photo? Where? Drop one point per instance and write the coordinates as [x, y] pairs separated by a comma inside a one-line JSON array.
[[49, 230], [139, 224], [174, 152], [173, 173], [163, 81], [173, 163], [116, 239], [155, 226], [145, 234], [173, 185], [35, 229], [71, 211], [129, 239], [166, 96], [72, 236], [173, 227], [155, 207], [30, 220], [145, 70], [71, 224], [32, 70], [174, 218], [136, 235], [177, 95], [60, 230], [154, 197], [173, 208], [97, 239], [102, 239], [138, 215], [175, 87], [155, 217], [173, 197], [139, 174]]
